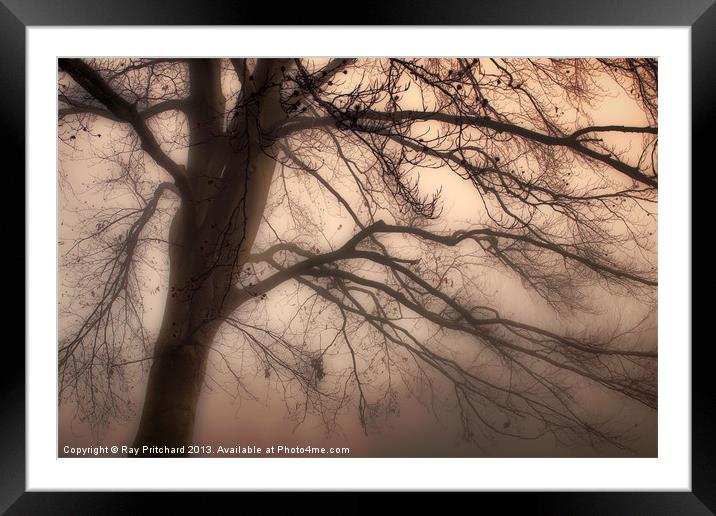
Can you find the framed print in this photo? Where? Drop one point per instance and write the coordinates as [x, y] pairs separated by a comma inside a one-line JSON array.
[[372, 257]]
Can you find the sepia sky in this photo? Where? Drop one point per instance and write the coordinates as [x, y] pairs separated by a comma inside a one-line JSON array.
[[262, 411]]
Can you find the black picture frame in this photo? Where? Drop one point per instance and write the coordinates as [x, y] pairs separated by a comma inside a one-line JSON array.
[[17, 15]]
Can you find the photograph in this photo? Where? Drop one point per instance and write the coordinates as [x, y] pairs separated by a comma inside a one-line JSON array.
[[357, 257]]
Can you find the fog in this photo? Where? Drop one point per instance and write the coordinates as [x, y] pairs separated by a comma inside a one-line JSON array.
[[245, 403]]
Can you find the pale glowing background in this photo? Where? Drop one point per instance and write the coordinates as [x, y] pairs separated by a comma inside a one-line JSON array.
[[228, 415]]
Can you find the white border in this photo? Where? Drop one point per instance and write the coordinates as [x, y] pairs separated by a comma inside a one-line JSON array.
[[672, 470]]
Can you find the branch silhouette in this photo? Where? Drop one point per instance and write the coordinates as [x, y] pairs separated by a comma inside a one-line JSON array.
[[313, 228]]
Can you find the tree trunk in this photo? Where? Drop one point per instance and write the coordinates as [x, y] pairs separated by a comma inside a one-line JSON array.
[[210, 241], [180, 353], [175, 381]]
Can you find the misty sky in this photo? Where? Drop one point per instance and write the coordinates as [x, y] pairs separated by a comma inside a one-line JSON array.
[[259, 412]]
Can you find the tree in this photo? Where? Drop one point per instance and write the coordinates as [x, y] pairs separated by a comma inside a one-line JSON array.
[[318, 182]]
